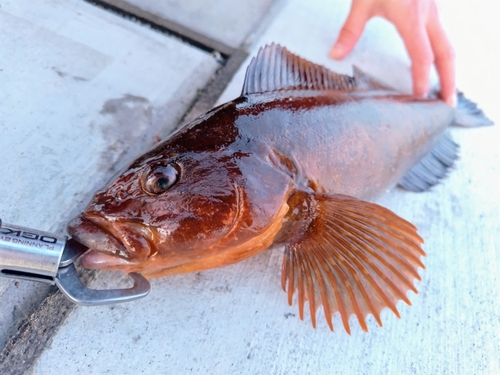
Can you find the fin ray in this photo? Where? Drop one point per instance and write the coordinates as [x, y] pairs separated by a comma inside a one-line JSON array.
[[379, 239], [354, 257], [468, 114], [390, 267], [275, 68], [364, 294], [433, 167], [310, 290], [371, 307], [323, 290], [361, 266], [338, 299]]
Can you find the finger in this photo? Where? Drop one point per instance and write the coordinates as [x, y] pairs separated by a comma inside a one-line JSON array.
[[351, 31], [444, 56], [419, 49]]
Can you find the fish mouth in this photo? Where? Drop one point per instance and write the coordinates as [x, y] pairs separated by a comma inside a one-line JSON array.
[[113, 243]]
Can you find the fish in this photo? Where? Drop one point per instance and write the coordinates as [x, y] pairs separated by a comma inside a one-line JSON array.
[[294, 162]]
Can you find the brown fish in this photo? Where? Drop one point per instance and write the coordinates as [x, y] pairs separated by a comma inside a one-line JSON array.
[[294, 160]]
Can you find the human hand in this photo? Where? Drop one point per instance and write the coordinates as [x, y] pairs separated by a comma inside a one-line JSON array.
[[417, 22]]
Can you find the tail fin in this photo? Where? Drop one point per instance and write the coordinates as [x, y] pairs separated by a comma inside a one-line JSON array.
[[468, 114]]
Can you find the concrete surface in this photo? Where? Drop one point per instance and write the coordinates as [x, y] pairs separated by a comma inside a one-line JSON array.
[[227, 21], [82, 92], [236, 319]]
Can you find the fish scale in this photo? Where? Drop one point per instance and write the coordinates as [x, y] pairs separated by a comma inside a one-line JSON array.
[[294, 161]]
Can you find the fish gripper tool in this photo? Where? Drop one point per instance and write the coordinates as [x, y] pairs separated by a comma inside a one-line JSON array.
[[33, 255]]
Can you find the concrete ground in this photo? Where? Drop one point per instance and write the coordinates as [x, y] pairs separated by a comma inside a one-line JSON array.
[[83, 92], [89, 89]]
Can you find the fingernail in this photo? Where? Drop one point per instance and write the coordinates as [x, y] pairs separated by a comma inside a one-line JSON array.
[[337, 52], [452, 100]]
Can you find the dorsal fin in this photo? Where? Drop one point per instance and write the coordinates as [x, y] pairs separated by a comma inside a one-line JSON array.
[[275, 68], [365, 81]]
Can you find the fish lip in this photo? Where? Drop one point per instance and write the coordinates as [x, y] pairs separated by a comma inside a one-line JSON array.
[[94, 236], [113, 237]]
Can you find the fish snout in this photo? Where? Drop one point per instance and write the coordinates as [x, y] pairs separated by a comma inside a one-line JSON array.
[[129, 240], [94, 236]]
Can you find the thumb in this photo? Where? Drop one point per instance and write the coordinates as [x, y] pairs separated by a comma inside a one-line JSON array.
[[349, 34]]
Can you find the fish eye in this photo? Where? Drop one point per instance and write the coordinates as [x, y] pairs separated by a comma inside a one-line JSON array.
[[159, 179]]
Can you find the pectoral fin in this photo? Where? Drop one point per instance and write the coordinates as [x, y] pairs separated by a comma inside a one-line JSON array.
[[350, 256]]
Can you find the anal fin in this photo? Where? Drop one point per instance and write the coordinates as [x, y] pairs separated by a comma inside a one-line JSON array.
[[352, 257], [433, 167]]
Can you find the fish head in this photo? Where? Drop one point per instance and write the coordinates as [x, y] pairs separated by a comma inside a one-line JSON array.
[[167, 208]]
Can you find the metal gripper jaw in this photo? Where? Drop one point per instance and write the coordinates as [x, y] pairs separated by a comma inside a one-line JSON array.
[[33, 255]]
